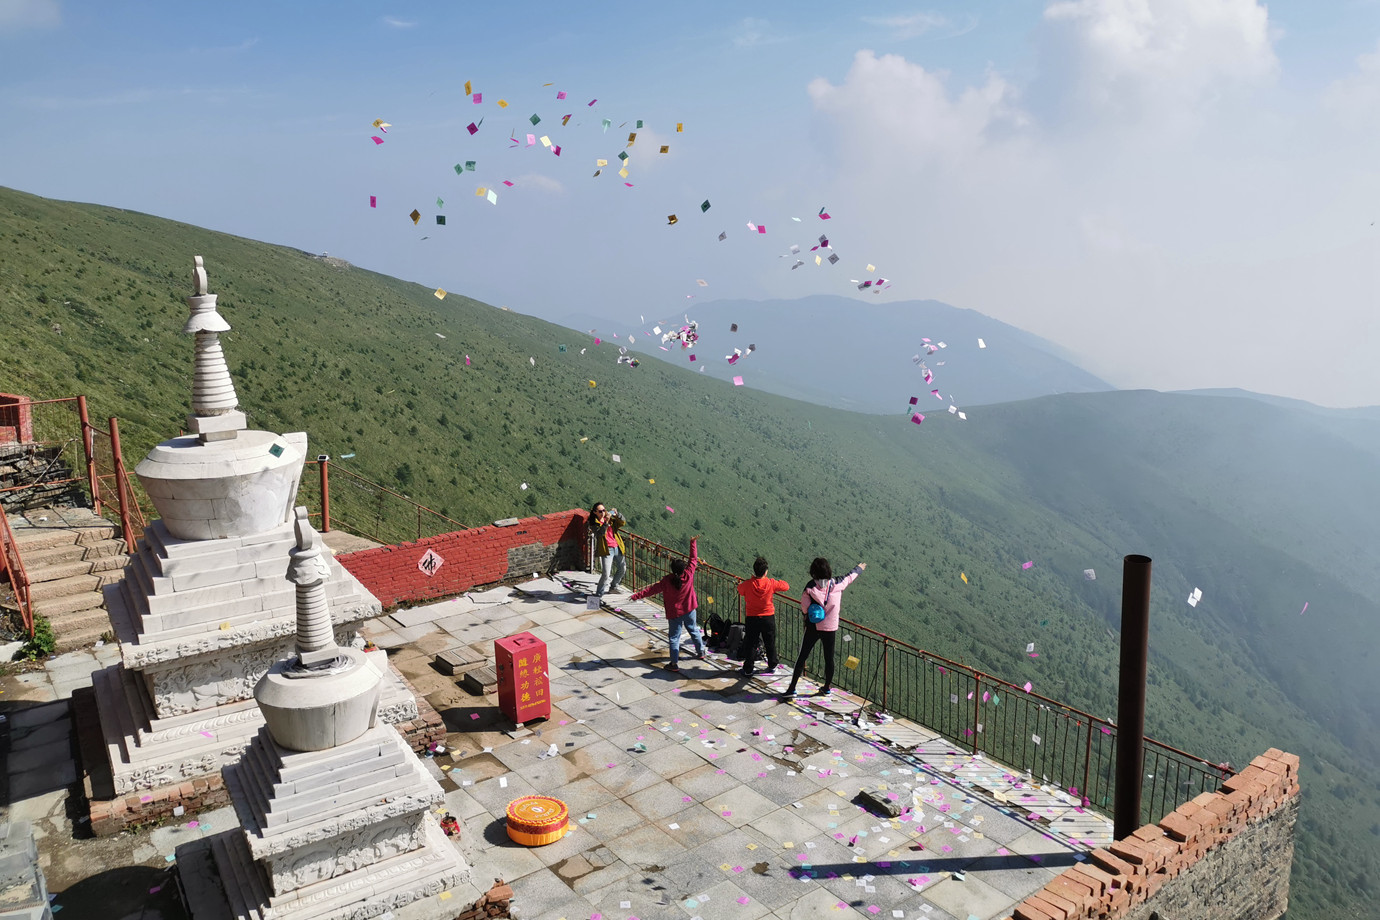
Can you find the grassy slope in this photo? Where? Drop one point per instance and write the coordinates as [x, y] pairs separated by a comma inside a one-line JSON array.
[[1072, 482]]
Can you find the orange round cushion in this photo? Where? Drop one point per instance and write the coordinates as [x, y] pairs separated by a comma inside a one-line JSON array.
[[534, 820]]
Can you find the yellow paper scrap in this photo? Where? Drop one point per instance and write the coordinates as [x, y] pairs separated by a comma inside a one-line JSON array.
[[469, 88], [623, 172], [871, 267], [601, 163], [503, 103], [680, 127], [592, 385], [632, 138], [665, 148], [440, 293], [481, 192], [817, 260], [415, 215], [652, 481], [545, 141], [224, 626], [964, 576]]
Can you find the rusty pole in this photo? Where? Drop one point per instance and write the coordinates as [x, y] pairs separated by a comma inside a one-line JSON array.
[[1130, 707], [325, 496], [89, 447], [122, 490]]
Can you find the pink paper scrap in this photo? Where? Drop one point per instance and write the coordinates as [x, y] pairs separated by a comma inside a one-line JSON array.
[[472, 128], [1026, 565], [377, 140], [737, 381], [478, 98], [373, 201], [917, 418]]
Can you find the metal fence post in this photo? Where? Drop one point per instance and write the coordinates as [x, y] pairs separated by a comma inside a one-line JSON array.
[[121, 486], [325, 496], [1135, 642], [88, 445]]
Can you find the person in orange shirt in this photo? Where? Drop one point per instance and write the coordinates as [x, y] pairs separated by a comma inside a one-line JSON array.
[[759, 612]]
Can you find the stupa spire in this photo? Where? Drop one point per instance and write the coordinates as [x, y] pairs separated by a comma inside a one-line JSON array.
[[215, 407]]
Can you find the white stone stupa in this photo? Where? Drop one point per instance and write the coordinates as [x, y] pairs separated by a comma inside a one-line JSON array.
[[335, 809], [204, 609]]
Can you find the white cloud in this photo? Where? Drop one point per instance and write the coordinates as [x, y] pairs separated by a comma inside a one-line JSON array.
[[18, 15], [904, 111], [399, 23], [1355, 98], [1128, 59], [753, 33], [911, 25], [1167, 233], [538, 181]]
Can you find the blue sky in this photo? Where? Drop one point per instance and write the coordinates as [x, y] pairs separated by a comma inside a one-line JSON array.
[[1184, 193]]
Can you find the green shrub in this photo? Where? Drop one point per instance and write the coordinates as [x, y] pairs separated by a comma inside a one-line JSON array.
[[41, 644]]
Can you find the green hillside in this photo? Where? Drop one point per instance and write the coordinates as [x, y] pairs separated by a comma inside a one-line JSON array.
[[1262, 507]]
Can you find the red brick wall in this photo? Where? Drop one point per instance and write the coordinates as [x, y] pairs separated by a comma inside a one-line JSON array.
[[16, 420], [480, 556], [1187, 865]]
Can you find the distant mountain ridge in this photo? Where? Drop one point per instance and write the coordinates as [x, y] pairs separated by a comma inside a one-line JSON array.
[[850, 354]]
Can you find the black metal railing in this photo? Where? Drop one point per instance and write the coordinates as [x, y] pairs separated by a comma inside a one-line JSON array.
[[1005, 722]]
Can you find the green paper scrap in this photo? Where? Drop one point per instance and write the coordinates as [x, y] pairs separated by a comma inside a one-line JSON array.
[[639, 122], [704, 206], [471, 164], [607, 122], [440, 203], [459, 169], [276, 450], [440, 220], [535, 119], [623, 155]]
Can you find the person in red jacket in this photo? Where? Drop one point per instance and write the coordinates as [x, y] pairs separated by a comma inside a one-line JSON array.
[[677, 592], [759, 612]]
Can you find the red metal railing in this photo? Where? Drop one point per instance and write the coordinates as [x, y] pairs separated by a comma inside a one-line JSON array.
[[15, 574], [58, 425], [1046, 739], [367, 509]]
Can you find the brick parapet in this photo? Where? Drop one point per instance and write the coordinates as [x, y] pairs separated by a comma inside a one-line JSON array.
[[1249, 821], [474, 557]]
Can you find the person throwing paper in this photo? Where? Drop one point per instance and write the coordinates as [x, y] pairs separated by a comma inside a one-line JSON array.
[[677, 592], [821, 594]]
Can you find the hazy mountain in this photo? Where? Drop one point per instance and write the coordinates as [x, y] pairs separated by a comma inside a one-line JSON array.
[[850, 354]]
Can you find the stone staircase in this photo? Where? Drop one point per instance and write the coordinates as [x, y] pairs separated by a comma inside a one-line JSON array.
[[70, 554]]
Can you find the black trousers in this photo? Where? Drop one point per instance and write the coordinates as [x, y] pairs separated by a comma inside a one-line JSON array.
[[813, 635], [759, 629]]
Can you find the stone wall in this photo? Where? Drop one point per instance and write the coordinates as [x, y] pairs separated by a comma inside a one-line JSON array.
[[1225, 855], [470, 558]]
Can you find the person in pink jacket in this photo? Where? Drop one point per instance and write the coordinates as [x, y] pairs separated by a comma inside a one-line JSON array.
[[677, 592], [824, 589]]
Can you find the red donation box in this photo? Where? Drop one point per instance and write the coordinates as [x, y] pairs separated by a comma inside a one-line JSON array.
[[524, 688]]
